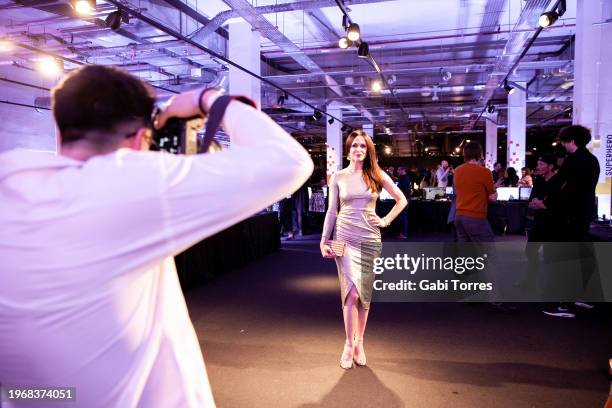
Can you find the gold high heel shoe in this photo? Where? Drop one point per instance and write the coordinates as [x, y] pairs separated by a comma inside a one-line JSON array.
[[346, 360], [360, 358]]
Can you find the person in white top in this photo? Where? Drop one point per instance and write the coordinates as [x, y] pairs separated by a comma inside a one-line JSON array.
[[89, 295]]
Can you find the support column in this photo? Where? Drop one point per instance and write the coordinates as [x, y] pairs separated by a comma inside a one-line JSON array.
[[491, 141], [244, 49], [517, 128], [334, 143], [593, 88]]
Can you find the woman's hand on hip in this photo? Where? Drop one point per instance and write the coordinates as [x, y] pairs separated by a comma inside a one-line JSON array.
[[376, 221]]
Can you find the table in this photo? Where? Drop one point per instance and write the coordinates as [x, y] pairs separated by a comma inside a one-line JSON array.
[[432, 215], [231, 248]]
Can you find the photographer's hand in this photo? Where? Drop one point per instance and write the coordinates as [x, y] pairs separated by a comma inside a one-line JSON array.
[[186, 105]]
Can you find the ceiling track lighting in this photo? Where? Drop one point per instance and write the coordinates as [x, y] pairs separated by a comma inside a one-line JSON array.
[[50, 67], [331, 121], [83, 7], [345, 22], [353, 32], [317, 115], [376, 85], [344, 42], [113, 20], [364, 50], [6, 45], [344, 128], [550, 17], [446, 75], [490, 108]]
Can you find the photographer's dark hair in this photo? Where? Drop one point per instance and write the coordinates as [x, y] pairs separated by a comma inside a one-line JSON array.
[[472, 151], [579, 134], [92, 102]]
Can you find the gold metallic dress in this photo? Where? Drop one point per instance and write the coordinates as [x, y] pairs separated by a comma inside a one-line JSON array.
[[353, 227]]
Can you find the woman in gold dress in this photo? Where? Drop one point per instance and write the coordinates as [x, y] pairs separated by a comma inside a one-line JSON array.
[[356, 188]]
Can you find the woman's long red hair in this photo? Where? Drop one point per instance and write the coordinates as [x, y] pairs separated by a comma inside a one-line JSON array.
[[372, 174]]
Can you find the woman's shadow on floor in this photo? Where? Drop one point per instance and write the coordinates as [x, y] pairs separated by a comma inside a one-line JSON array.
[[359, 387]]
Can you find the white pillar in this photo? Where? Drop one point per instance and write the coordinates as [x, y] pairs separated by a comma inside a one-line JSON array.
[[334, 143], [369, 129], [491, 141], [244, 49], [517, 128], [593, 88]]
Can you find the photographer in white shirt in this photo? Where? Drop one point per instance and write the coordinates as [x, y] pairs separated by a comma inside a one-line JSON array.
[[89, 296]]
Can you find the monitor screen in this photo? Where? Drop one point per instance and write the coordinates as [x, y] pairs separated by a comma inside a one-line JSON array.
[[524, 193], [450, 191], [507, 193], [384, 195], [432, 192]]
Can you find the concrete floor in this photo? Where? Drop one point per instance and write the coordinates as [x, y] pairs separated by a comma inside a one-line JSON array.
[[272, 335]]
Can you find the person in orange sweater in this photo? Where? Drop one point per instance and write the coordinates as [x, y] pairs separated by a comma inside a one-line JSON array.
[[474, 189]]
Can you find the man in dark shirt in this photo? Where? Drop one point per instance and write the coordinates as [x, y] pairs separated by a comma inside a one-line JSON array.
[[544, 225], [576, 179]]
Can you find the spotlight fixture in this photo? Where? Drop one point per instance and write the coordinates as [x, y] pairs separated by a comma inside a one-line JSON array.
[[490, 108], [317, 115], [353, 32], [364, 50], [388, 150], [344, 128], [83, 7], [113, 20], [6, 45], [50, 67], [344, 42], [548, 18], [376, 85], [446, 75], [510, 89], [457, 149], [331, 121]]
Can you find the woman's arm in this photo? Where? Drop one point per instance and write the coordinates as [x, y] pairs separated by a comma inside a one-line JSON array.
[[400, 202], [330, 217]]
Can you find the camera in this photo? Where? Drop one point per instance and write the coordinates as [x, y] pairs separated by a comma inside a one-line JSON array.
[[179, 135]]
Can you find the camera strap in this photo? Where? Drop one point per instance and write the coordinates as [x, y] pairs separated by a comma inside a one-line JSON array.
[[215, 116]]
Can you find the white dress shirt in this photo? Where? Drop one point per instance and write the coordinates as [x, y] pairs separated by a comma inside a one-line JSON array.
[[89, 295]]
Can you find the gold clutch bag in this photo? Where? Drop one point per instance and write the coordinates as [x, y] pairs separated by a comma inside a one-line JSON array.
[[337, 247]]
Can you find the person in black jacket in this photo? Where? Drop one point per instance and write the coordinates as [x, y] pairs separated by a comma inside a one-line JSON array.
[[576, 179], [573, 206]]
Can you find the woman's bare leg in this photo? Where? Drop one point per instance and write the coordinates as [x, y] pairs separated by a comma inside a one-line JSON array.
[[362, 320], [350, 314]]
